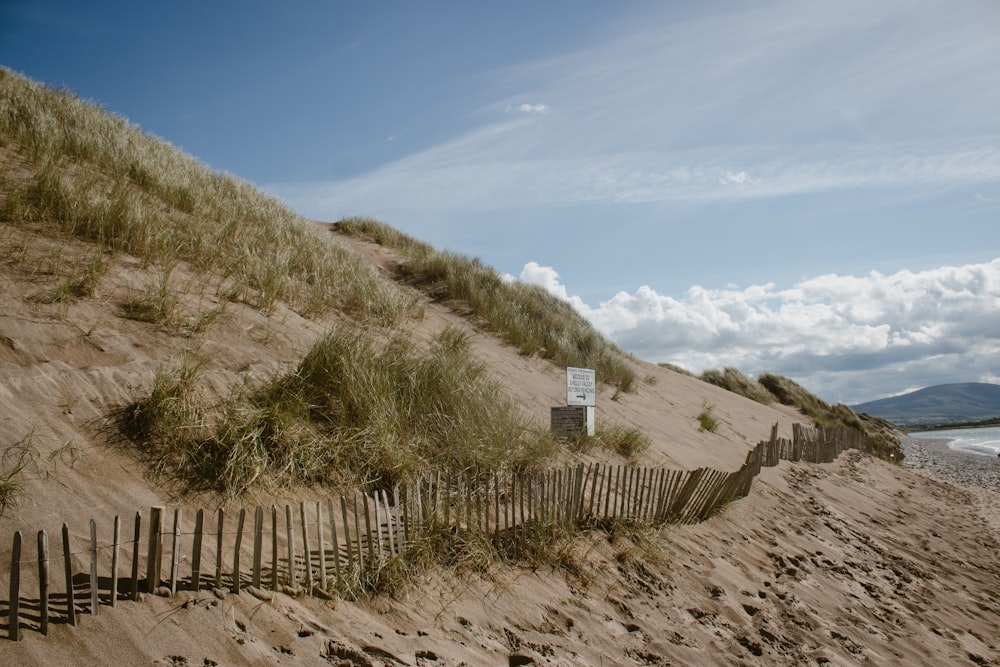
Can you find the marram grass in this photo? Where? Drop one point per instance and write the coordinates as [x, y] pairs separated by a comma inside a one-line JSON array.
[[353, 411], [525, 316], [95, 176]]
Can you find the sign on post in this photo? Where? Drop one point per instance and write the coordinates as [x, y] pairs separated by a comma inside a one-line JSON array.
[[581, 386]]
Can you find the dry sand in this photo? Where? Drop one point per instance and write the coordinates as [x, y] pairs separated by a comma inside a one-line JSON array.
[[854, 562]]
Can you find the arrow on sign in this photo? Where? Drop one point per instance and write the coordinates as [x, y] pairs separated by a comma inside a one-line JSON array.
[[582, 397]]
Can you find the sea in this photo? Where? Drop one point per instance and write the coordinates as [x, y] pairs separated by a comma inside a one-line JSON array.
[[977, 440]]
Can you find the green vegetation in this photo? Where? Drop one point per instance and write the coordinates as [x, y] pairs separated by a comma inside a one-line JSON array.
[[823, 414], [13, 462], [525, 316], [100, 178], [675, 368], [618, 438], [353, 411], [733, 380], [707, 421]]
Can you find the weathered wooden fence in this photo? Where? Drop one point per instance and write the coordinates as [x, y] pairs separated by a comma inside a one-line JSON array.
[[340, 545]]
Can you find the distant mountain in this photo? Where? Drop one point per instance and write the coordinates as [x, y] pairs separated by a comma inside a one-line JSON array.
[[940, 404]]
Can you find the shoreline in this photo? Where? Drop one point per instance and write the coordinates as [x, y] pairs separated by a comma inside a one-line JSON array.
[[935, 457]]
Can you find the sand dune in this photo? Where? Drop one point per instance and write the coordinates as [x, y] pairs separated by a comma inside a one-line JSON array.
[[854, 562]]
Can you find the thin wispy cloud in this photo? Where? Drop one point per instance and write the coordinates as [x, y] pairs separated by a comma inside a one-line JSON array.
[[776, 99], [839, 331]]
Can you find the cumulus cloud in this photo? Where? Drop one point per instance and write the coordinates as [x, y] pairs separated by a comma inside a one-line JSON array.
[[848, 335]]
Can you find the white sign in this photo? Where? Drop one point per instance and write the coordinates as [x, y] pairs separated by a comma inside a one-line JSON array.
[[581, 386]]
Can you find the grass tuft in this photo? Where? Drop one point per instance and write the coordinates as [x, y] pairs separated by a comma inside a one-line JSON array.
[[525, 316], [733, 380], [375, 413], [707, 421]]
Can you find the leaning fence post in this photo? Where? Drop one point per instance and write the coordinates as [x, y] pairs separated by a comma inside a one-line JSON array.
[[218, 548], [320, 545], [333, 537], [135, 557], [347, 533], [155, 548], [305, 546], [290, 534], [274, 548], [13, 619], [236, 550], [43, 580], [70, 601], [357, 533], [114, 561], [174, 556], [258, 546], [95, 601], [199, 529]]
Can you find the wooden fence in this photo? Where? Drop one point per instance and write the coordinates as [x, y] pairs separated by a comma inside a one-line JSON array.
[[341, 545]]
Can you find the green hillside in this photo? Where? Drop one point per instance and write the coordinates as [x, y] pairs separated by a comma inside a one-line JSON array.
[[941, 404]]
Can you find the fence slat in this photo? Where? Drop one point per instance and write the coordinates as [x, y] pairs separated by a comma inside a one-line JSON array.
[[13, 616], [333, 537], [155, 549], [357, 533], [237, 549], [70, 593], [290, 536], [305, 547], [320, 546], [274, 548], [134, 594], [218, 548], [258, 545], [43, 581], [95, 602], [114, 561], [347, 533], [199, 532], [174, 551]]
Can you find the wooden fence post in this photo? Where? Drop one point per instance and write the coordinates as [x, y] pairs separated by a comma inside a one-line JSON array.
[[154, 549], [114, 561], [95, 601], [70, 596], [305, 547], [378, 525], [320, 546], [174, 555], [237, 549], [13, 616], [258, 544], [43, 580], [274, 548], [347, 533], [290, 534], [218, 548], [388, 519], [199, 530], [134, 594], [333, 537]]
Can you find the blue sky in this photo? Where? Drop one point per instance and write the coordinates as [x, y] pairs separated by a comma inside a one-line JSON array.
[[810, 189]]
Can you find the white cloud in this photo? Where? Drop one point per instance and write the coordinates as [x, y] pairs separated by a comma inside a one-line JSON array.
[[739, 178], [529, 108], [547, 278], [930, 322]]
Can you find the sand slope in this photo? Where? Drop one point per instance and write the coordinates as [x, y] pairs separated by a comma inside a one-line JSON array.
[[849, 563]]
